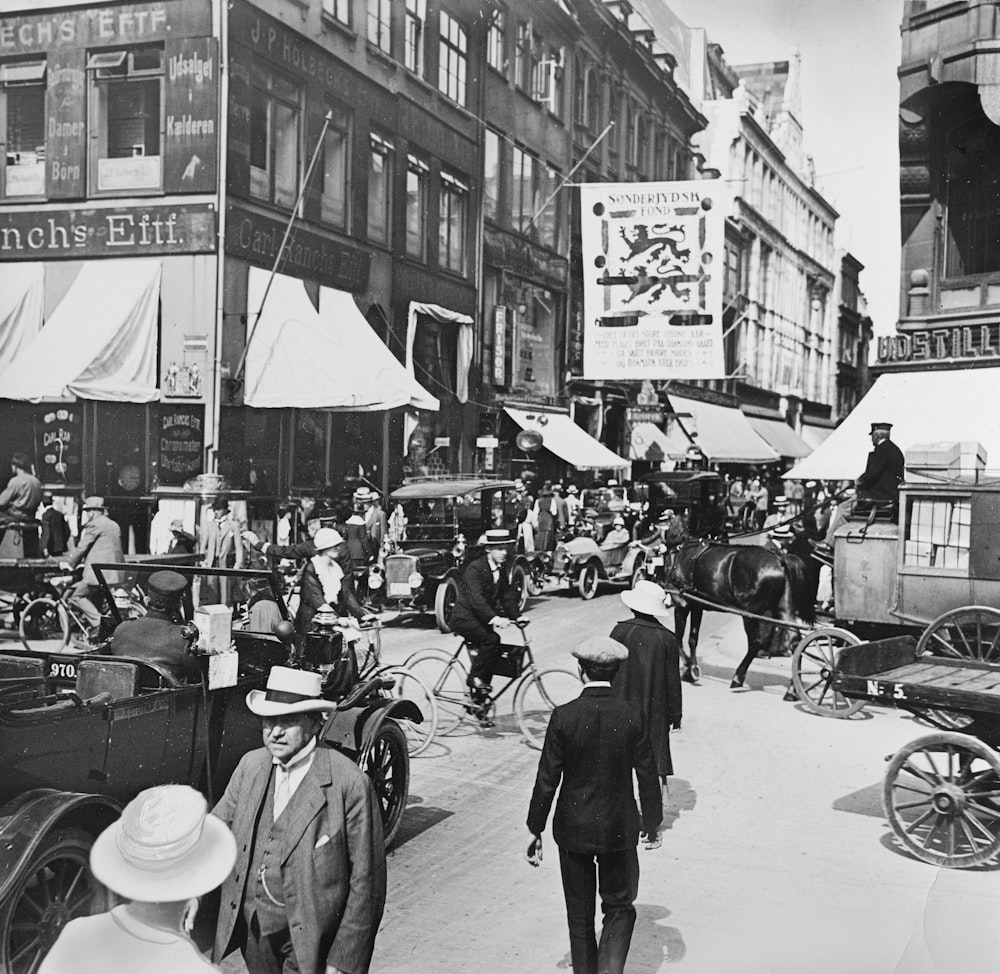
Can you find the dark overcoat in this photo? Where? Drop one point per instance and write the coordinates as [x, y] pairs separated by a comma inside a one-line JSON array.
[[884, 471]]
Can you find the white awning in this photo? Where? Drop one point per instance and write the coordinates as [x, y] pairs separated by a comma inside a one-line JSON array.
[[813, 436], [22, 300], [572, 443], [723, 433], [328, 359], [648, 442], [465, 341], [99, 343], [924, 407], [780, 436]]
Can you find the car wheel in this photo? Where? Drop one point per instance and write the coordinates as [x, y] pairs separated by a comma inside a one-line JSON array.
[[386, 761], [586, 583], [519, 583], [444, 603]]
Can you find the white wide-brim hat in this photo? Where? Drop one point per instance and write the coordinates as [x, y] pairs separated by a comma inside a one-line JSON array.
[[647, 598], [289, 691], [165, 848]]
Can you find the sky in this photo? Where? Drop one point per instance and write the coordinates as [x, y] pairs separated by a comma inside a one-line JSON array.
[[850, 52]]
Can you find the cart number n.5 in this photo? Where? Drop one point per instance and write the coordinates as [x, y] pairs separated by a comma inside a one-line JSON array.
[[894, 690]]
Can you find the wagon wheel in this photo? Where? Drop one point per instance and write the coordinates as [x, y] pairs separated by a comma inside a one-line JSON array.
[[519, 584], [444, 603], [814, 665], [386, 761], [56, 887], [942, 799]]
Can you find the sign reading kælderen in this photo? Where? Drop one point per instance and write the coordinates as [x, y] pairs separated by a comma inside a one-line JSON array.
[[652, 269]]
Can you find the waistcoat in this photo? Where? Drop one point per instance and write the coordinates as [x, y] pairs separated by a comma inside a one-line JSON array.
[[269, 841]]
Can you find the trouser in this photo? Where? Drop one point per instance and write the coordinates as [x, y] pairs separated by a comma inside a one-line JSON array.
[[483, 644], [269, 953], [616, 876], [82, 594]]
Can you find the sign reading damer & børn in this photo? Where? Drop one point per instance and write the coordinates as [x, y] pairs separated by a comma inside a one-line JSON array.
[[653, 262]]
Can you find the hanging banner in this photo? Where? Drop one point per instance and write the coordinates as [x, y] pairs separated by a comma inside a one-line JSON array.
[[652, 270]]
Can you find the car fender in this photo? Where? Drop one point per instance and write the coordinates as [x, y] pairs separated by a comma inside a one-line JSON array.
[[350, 730], [634, 558], [26, 820], [582, 549]]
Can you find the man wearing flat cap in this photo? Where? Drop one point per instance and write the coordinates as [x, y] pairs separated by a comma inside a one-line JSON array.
[[884, 472], [308, 889], [592, 747]]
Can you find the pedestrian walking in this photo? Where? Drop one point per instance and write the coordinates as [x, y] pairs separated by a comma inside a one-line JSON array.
[[651, 676], [308, 890], [592, 747]]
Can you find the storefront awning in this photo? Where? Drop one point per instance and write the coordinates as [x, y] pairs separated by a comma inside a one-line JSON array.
[[813, 436], [464, 344], [649, 443], [723, 433], [561, 436], [924, 407], [781, 437], [22, 299], [328, 359], [99, 343]]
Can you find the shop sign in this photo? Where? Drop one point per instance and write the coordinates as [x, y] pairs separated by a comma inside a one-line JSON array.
[[181, 445], [968, 342], [190, 111], [645, 414], [65, 124], [308, 255], [119, 231], [500, 345], [60, 441]]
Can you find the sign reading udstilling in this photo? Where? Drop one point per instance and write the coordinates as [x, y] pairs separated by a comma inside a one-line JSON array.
[[652, 267]]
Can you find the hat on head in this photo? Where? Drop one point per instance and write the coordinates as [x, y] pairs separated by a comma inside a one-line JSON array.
[[21, 460], [177, 524], [667, 515], [94, 503], [647, 597], [618, 522], [47, 497], [496, 537], [810, 483], [327, 538], [880, 426], [364, 494], [165, 848], [289, 691], [602, 650], [572, 489], [220, 503], [780, 501], [166, 586], [518, 482], [781, 531]]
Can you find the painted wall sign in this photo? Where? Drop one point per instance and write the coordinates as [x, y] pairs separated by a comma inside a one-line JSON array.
[[181, 442], [60, 445], [65, 124], [308, 255], [500, 346], [119, 231], [240, 105], [190, 111], [968, 342]]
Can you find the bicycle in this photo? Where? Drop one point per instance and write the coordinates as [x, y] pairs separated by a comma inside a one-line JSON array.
[[536, 692]]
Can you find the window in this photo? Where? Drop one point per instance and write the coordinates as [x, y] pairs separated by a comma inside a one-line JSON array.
[[454, 205], [555, 80], [547, 220], [522, 56], [938, 533], [594, 99], [579, 92], [972, 200], [417, 176], [274, 138], [495, 54], [336, 156], [661, 157], [338, 10], [416, 23], [379, 188], [453, 56], [524, 185], [22, 106], [379, 23], [641, 151], [491, 175], [125, 112], [631, 139]]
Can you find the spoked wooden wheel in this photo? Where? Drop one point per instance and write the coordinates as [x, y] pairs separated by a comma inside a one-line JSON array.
[[814, 665], [386, 760], [942, 799]]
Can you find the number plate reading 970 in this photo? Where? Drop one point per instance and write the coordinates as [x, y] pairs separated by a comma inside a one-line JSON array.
[[892, 690], [62, 671]]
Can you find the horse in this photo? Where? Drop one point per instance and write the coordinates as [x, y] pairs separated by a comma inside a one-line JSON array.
[[751, 579]]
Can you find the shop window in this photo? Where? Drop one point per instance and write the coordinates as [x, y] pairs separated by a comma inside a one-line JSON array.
[[453, 58], [496, 41], [452, 221], [417, 179], [339, 10], [380, 156], [336, 168], [534, 311], [415, 34], [524, 185], [22, 107], [937, 533], [126, 119], [491, 175], [379, 24], [435, 353], [250, 445], [274, 138], [309, 452]]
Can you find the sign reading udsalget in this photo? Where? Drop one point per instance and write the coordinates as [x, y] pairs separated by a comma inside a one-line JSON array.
[[652, 269]]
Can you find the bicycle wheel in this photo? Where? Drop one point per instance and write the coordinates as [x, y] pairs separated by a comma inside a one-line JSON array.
[[44, 620], [445, 675], [409, 686], [538, 694]]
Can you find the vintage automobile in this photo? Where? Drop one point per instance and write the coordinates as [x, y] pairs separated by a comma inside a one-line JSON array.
[[688, 493], [600, 505], [444, 520], [584, 563], [82, 734]]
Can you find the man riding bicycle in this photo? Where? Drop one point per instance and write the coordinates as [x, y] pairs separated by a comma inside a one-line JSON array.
[[486, 601]]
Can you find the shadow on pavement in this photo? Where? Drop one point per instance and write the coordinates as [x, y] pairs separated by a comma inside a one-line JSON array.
[[417, 820], [680, 797], [653, 942], [891, 842], [864, 801]]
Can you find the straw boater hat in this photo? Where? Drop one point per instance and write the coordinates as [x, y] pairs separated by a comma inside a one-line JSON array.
[[289, 692], [94, 504], [602, 650], [497, 536], [648, 598], [165, 848]]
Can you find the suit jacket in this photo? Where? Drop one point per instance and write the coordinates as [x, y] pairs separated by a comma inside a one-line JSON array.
[[333, 870], [479, 599], [55, 533], [651, 679], [223, 543], [592, 745], [884, 471], [22, 495], [100, 541]]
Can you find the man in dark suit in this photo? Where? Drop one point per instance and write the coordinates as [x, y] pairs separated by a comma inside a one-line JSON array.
[[486, 601], [593, 744], [885, 469], [308, 889], [55, 530]]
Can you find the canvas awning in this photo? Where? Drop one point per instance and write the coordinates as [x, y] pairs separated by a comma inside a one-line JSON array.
[[464, 343], [651, 444], [780, 436], [924, 407], [22, 300], [99, 343], [723, 433], [328, 359], [572, 443], [813, 436]]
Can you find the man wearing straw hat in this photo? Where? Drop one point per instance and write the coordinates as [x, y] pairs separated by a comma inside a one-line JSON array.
[[100, 542], [163, 853], [308, 889]]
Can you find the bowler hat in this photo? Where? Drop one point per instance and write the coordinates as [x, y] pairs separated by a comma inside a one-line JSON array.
[[602, 650], [497, 536], [166, 586], [94, 503], [647, 597], [220, 503], [165, 848], [289, 691]]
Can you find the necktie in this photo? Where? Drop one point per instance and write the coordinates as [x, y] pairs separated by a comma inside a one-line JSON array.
[[282, 790]]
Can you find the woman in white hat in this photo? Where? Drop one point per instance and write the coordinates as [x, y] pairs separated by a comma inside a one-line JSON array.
[[161, 855], [323, 583]]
